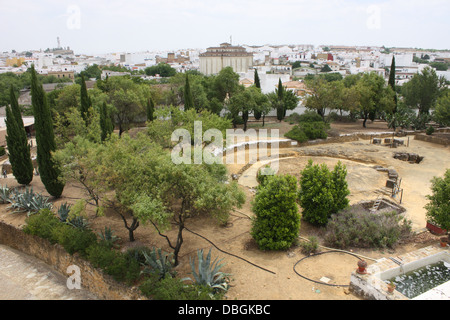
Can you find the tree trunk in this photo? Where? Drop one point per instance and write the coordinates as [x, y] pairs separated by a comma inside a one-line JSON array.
[[179, 243]]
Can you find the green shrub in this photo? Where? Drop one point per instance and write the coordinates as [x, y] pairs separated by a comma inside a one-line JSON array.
[[438, 209], [2, 151], [322, 192], [121, 266], [311, 246], [308, 131], [309, 116], [297, 133], [76, 240], [358, 227], [100, 256], [430, 130], [43, 224], [277, 221], [315, 130], [175, 289], [264, 174]]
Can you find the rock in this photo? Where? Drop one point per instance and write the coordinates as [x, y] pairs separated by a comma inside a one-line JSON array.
[[392, 174], [390, 183]]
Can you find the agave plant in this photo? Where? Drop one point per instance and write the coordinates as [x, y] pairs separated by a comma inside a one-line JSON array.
[[78, 222], [157, 262], [108, 237], [63, 211], [5, 193], [28, 201], [208, 273]]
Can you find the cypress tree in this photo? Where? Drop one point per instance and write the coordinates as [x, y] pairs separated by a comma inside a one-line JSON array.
[[257, 113], [105, 122], [150, 109], [392, 81], [16, 139], [280, 104], [257, 82], [45, 138], [188, 100], [84, 101]]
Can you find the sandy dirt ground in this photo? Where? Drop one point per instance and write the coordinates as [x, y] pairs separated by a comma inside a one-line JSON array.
[[264, 275]]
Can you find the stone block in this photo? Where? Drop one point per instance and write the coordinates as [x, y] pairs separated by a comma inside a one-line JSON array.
[[390, 183]]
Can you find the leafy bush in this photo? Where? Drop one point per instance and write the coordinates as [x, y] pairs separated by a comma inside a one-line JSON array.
[[322, 192], [76, 240], [358, 227], [297, 133], [277, 222], [315, 130], [264, 174], [430, 130], [308, 131], [175, 289], [77, 216], [2, 151], [100, 256], [420, 121], [311, 246], [43, 224], [121, 266], [438, 209], [310, 116]]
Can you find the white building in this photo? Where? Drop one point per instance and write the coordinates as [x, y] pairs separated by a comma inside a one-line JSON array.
[[218, 58]]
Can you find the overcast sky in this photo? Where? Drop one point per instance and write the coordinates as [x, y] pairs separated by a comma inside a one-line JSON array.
[[104, 26]]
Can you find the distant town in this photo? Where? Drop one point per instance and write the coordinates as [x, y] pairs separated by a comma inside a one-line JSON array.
[[288, 62]]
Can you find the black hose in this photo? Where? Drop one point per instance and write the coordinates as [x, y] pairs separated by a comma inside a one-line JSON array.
[[318, 254], [228, 252]]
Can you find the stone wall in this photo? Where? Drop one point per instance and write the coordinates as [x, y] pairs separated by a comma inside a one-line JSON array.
[[432, 139], [92, 279]]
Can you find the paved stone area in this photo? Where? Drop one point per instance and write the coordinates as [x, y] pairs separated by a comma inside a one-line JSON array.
[[24, 277]]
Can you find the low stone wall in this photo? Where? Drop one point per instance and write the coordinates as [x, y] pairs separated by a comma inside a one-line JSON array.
[[432, 139], [92, 279]]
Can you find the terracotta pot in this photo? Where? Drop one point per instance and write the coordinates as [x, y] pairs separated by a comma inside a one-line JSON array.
[[444, 241], [362, 265]]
